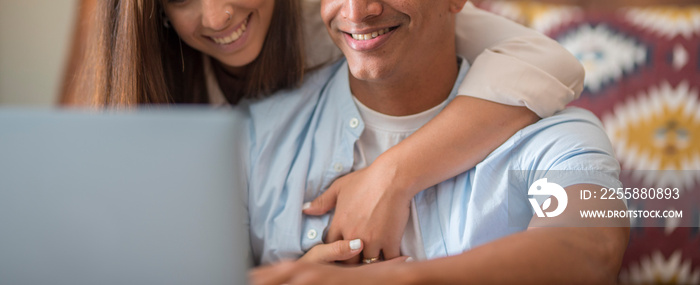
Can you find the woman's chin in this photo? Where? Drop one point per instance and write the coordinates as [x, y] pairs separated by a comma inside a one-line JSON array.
[[238, 63]]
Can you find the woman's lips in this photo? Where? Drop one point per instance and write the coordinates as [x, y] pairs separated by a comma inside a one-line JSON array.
[[232, 35], [233, 41], [235, 35]]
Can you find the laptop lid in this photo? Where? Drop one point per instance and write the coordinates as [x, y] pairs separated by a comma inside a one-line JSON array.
[[147, 197]]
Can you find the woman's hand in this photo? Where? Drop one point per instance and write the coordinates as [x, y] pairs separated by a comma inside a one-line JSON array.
[[332, 252], [290, 272], [369, 205], [318, 255]]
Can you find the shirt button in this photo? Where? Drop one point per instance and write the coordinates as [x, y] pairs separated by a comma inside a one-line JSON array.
[[311, 234], [338, 167], [354, 122]]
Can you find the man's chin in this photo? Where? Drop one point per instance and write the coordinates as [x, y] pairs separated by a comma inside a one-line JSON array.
[[368, 70], [366, 75]]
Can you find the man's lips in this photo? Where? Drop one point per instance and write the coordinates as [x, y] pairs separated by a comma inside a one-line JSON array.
[[368, 39]]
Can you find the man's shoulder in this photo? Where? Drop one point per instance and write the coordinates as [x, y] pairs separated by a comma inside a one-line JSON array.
[[564, 123], [572, 138]]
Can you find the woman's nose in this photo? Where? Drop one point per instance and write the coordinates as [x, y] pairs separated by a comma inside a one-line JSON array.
[[215, 15]]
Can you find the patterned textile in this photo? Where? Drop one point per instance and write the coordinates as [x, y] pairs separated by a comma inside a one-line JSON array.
[[643, 81]]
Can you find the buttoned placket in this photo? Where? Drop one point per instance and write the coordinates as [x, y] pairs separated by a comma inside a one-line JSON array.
[[351, 126], [315, 227]]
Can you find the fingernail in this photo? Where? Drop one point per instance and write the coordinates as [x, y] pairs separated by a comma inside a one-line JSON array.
[[409, 259], [355, 244], [306, 206]]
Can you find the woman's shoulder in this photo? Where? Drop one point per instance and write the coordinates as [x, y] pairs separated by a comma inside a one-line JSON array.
[[310, 87], [320, 49], [290, 106]]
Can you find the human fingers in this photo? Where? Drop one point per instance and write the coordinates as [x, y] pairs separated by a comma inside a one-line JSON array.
[[322, 204], [273, 274], [334, 234], [391, 252], [400, 259], [371, 253], [322, 274], [352, 261], [331, 252]]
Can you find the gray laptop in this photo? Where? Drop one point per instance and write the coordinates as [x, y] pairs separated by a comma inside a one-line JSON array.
[[143, 197]]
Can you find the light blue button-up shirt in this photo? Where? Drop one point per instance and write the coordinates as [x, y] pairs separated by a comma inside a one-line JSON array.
[[302, 140]]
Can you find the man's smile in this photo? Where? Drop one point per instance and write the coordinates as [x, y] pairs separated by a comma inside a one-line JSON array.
[[370, 35], [368, 39]]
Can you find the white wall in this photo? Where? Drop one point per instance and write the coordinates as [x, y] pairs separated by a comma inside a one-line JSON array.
[[34, 41]]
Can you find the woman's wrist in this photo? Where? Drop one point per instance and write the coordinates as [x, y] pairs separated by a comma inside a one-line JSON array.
[[395, 176]]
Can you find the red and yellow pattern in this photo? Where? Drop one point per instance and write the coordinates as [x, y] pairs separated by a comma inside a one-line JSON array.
[[667, 21], [643, 81], [659, 130], [541, 17]]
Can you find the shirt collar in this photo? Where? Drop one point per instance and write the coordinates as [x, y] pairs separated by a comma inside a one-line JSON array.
[[339, 95]]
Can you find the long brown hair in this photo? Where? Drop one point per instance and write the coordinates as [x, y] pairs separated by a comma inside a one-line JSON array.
[[132, 58]]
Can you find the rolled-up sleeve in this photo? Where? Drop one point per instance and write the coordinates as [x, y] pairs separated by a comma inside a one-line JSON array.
[[510, 64], [515, 65]]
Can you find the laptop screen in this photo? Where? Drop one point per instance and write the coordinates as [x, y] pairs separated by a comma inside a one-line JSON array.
[[139, 197]]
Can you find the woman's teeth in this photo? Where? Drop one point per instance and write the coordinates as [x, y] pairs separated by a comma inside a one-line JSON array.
[[364, 37], [233, 36]]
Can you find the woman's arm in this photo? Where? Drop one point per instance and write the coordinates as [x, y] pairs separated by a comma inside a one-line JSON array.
[[581, 255], [512, 65], [547, 253], [566, 249]]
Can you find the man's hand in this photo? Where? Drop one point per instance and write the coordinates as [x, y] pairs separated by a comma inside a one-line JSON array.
[[290, 272], [369, 206]]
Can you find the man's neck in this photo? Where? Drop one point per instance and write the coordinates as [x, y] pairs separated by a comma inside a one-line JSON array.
[[411, 92]]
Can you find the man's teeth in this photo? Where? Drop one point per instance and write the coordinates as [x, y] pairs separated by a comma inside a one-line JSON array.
[[364, 37], [233, 36]]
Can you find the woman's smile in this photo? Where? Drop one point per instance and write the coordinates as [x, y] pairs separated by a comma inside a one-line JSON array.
[[233, 34]]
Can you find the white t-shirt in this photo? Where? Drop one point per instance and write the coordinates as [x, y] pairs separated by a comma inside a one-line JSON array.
[[380, 134]]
